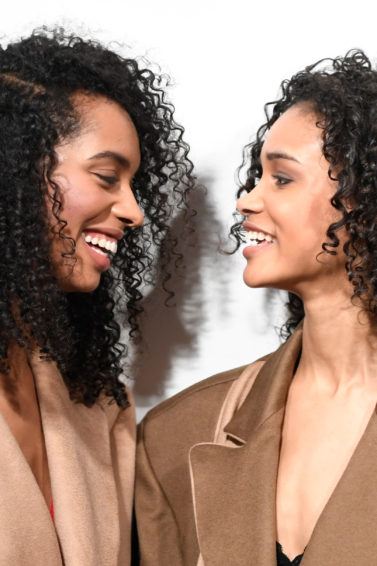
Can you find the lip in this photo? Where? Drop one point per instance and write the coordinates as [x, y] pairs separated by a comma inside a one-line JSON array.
[[249, 251], [106, 231], [102, 262], [249, 227]]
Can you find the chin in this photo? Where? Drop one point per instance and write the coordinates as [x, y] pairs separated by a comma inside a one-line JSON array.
[[81, 285], [271, 280], [86, 288], [256, 280]]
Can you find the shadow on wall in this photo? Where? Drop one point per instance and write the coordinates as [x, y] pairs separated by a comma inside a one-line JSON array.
[[275, 309], [172, 331]]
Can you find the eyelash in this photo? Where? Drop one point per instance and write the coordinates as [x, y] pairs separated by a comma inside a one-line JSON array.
[[109, 180], [281, 181]]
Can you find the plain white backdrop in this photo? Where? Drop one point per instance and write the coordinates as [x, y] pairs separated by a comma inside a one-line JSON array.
[[226, 59]]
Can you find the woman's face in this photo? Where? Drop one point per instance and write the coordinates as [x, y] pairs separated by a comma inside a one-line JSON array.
[[94, 173], [290, 206]]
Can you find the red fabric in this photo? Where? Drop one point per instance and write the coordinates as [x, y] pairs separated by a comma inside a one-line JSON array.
[[52, 509]]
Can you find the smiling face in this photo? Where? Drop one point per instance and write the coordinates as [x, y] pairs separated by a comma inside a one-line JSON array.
[[94, 173], [290, 207]]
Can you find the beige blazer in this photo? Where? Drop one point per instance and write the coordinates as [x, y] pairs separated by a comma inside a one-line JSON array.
[[210, 493], [90, 455]]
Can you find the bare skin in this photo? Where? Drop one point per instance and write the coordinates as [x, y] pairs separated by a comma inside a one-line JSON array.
[[334, 390]]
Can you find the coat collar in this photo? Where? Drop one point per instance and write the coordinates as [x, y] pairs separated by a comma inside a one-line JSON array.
[[269, 392], [237, 505], [82, 482]]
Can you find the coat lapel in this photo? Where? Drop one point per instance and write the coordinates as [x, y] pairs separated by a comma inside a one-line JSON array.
[[23, 512], [346, 530], [82, 482], [234, 486]]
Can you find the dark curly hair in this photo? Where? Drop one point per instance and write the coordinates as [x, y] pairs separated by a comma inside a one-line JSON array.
[[342, 92], [79, 331]]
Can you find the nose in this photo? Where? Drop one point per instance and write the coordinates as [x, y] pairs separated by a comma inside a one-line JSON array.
[[127, 209], [251, 202]]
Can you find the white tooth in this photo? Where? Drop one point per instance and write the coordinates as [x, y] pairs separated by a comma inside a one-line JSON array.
[[88, 238], [115, 247], [253, 243], [107, 245], [254, 235], [261, 236], [95, 240], [102, 242], [268, 238]]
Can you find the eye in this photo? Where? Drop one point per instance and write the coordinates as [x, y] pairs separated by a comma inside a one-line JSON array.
[[110, 180], [281, 180]]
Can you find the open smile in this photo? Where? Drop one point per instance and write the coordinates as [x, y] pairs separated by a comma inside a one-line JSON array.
[[101, 248], [256, 239]]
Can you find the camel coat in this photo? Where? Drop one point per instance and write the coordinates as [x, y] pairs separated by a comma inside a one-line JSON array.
[[90, 455], [207, 471]]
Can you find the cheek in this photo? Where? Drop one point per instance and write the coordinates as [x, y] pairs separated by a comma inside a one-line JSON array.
[[314, 221], [303, 223], [321, 215], [74, 207], [79, 202]]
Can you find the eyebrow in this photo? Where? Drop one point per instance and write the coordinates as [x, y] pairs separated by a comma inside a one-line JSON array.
[[280, 155], [118, 157]]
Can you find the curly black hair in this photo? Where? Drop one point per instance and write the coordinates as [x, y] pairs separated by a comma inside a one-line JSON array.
[[39, 76], [342, 92]]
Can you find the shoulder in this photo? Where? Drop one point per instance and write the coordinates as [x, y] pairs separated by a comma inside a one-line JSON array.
[[191, 415], [115, 414], [168, 432], [208, 388]]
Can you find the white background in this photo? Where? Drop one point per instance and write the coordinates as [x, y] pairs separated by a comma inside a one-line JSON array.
[[226, 59]]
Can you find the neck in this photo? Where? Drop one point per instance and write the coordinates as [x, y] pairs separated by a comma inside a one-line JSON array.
[[339, 344]]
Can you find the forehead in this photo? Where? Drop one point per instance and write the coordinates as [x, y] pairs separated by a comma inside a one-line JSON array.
[[295, 132], [105, 124]]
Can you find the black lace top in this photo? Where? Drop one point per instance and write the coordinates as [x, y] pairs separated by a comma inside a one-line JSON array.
[[283, 560]]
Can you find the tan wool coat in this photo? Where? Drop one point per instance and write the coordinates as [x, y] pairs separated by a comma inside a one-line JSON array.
[[207, 472], [90, 455]]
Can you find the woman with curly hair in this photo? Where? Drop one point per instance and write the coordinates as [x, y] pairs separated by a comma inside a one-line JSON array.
[[88, 148], [276, 463]]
